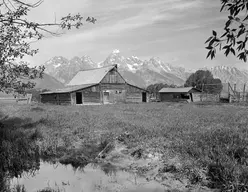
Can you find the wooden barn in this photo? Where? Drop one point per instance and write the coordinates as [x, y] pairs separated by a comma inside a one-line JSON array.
[[178, 94], [96, 86]]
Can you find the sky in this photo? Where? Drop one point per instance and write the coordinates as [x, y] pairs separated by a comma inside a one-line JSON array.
[[173, 30]]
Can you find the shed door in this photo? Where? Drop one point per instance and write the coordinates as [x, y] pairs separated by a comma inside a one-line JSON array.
[[144, 97], [79, 98]]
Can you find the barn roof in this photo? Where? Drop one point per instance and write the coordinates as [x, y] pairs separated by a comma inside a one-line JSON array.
[[69, 89], [91, 76], [179, 90]]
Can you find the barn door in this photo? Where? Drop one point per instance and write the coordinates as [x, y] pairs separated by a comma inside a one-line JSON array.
[[105, 97]]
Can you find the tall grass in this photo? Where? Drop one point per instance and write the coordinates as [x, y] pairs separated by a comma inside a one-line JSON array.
[[210, 141]]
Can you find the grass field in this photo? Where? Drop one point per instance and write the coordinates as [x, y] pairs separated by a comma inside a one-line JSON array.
[[209, 141]]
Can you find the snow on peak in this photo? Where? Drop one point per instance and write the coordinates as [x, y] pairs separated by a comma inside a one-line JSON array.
[[116, 51], [57, 65], [135, 57]]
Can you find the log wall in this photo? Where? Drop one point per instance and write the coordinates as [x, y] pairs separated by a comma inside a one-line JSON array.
[[56, 98]]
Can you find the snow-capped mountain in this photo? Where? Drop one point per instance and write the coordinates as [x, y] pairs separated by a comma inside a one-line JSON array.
[[137, 71], [230, 75], [64, 69], [131, 63], [151, 71]]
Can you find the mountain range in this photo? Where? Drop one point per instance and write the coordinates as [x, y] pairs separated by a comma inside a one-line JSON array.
[[137, 71]]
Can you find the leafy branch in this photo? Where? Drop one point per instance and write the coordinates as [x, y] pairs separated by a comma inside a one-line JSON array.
[[235, 35], [16, 34]]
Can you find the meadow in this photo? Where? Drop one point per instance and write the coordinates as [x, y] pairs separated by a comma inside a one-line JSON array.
[[209, 142]]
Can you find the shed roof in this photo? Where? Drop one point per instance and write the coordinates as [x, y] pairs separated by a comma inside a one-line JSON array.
[[91, 76], [69, 89], [179, 90]]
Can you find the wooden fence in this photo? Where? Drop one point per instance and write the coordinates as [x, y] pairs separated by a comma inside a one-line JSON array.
[[18, 99]]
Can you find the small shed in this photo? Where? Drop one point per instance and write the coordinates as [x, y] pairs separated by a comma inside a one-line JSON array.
[[178, 94], [96, 86]]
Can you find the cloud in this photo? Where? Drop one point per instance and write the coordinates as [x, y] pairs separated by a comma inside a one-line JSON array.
[[129, 15], [163, 28]]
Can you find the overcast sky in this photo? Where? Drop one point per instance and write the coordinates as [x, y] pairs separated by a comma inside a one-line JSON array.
[[174, 30]]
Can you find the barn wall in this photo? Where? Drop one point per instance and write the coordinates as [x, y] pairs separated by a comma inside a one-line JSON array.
[[89, 95], [176, 97], [73, 98], [134, 94], [113, 76], [64, 98], [49, 98], [56, 98], [109, 86], [166, 97]]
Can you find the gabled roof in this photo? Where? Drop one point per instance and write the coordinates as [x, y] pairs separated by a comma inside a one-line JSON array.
[[68, 89], [179, 90], [91, 76]]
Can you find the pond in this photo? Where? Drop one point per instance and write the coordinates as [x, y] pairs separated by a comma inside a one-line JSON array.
[[90, 178]]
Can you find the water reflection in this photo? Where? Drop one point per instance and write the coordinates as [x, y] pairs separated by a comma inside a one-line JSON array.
[[93, 177]]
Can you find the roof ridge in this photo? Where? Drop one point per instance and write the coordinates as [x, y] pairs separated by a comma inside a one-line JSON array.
[[98, 68]]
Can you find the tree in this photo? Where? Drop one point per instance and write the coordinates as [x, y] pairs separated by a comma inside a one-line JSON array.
[[204, 80], [235, 35], [18, 151], [16, 33]]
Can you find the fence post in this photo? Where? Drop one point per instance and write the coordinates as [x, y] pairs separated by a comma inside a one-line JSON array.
[[244, 93]]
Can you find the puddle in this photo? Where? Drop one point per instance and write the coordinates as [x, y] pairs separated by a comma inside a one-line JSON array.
[[90, 178]]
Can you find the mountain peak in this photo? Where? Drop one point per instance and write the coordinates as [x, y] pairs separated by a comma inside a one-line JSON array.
[[116, 51]]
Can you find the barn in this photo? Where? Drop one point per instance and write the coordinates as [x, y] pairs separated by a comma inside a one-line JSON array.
[[96, 86], [178, 94]]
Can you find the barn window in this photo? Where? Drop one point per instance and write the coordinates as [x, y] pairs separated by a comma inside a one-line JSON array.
[[93, 89], [118, 92]]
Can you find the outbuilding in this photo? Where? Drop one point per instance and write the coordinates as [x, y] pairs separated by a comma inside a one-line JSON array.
[[96, 86], [189, 94]]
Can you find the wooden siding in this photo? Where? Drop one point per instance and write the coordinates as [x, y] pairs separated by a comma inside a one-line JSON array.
[[57, 98], [134, 94], [166, 96], [89, 95], [108, 86], [114, 96], [113, 76], [133, 97]]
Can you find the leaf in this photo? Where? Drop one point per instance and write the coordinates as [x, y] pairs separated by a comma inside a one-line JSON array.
[[226, 47], [209, 53], [224, 34], [227, 52], [245, 18], [241, 31], [208, 39], [228, 23], [239, 47], [212, 54], [209, 47], [214, 33], [222, 7], [233, 51]]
